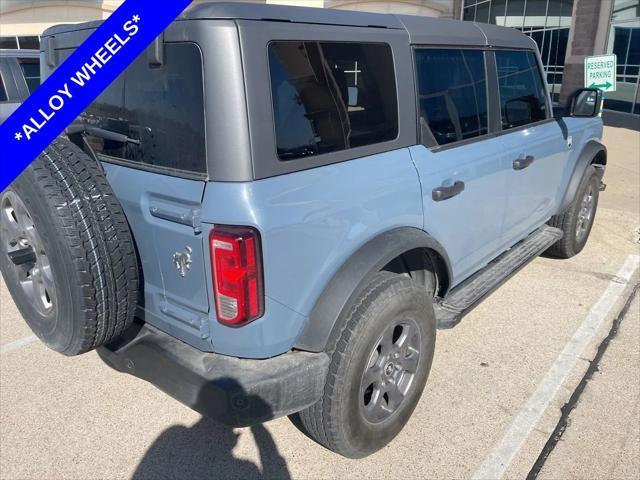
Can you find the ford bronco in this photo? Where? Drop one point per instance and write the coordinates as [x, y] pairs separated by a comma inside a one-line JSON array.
[[273, 209]]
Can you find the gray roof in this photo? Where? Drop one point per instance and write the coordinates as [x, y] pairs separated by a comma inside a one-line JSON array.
[[421, 30]]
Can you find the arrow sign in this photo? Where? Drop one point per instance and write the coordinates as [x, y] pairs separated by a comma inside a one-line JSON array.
[[600, 72], [602, 86]]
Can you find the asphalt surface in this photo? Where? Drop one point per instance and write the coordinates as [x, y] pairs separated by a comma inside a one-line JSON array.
[[493, 400]]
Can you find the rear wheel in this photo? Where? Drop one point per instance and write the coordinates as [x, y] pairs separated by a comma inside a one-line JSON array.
[[378, 369], [577, 221], [66, 251]]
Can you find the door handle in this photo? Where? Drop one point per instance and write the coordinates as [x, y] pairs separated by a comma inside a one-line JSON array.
[[522, 163], [442, 193]]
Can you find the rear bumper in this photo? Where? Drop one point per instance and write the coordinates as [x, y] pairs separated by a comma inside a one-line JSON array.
[[238, 392]]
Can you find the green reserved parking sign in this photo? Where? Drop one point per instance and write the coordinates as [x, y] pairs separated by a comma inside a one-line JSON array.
[[600, 72]]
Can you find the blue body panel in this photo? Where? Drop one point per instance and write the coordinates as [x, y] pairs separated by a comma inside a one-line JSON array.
[[311, 222], [533, 191], [468, 225], [177, 305]]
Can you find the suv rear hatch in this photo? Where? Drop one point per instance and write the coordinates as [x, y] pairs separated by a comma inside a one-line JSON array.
[[148, 130]]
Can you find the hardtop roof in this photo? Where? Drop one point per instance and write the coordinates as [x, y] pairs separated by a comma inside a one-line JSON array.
[[421, 30]]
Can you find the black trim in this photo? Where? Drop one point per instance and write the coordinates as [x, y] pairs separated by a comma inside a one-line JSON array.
[[238, 392], [590, 150], [153, 168]]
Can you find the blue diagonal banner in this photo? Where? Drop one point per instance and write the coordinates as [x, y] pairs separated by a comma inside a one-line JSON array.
[[80, 79]]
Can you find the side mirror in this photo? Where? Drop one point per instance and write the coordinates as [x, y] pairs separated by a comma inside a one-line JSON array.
[[585, 102]]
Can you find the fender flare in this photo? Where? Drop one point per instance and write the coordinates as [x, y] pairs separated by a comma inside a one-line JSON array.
[[591, 149], [353, 276]]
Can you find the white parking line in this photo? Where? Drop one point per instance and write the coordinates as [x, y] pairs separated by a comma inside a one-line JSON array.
[[506, 449], [21, 342]]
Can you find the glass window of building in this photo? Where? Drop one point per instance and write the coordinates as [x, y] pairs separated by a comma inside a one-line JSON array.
[[624, 41], [23, 42], [31, 42], [10, 43], [547, 22], [31, 72]]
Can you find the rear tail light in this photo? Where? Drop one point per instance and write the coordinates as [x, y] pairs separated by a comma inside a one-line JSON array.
[[236, 265]]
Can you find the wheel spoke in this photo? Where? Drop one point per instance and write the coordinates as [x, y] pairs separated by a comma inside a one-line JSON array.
[[405, 337], [410, 360], [394, 396], [24, 220], [386, 343], [371, 375], [47, 277]]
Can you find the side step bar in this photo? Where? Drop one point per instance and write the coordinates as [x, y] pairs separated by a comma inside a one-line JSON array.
[[466, 296]]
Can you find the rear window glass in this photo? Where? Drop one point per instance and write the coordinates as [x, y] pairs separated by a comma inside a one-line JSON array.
[[160, 109], [331, 96], [31, 71]]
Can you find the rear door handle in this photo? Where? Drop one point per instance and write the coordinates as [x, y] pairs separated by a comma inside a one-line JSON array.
[[442, 193], [522, 163]]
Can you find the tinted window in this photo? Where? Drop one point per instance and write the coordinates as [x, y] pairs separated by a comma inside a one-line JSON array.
[[331, 96], [452, 93], [3, 92], [522, 94], [31, 71], [162, 108]]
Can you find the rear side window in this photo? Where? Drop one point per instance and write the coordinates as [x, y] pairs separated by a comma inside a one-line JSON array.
[[160, 108], [31, 72], [522, 94], [452, 93], [331, 96]]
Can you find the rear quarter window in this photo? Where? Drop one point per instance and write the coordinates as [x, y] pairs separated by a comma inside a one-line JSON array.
[[161, 108], [331, 96]]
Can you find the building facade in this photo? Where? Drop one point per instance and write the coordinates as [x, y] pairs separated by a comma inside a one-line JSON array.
[[567, 31]]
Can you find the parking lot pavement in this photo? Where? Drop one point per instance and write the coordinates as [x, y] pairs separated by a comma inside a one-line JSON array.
[[494, 397]]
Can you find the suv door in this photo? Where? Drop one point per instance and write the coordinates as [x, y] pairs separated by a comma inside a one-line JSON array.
[[536, 149], [460, 165]]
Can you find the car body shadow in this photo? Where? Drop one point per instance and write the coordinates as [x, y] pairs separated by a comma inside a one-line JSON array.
[[205, 451]]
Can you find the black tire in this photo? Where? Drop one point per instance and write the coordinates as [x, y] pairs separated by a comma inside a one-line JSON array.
[[340, 420], [572, 219], [66, 251]]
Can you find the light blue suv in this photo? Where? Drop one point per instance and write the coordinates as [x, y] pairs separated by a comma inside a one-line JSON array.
[[272, 210]]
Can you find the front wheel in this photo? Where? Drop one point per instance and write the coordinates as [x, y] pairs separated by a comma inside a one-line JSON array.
[[577, 221], [378, 369]]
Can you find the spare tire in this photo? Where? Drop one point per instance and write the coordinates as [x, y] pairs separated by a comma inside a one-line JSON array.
[[66, 251]]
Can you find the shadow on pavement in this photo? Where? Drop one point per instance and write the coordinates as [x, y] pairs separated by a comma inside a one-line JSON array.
[[205, 451]]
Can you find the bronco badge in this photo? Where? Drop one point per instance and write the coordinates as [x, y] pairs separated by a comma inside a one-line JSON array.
[[182, 261]]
